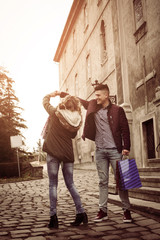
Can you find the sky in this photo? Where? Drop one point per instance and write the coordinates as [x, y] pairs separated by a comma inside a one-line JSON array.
[[30, 31]]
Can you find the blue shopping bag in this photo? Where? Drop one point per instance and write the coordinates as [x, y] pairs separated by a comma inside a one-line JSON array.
[[129, 175]]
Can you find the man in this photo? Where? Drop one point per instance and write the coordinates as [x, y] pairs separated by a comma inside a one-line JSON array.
[[107, 125]]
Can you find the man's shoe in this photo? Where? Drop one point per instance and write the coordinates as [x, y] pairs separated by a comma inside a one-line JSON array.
[[80, 217], [101, 216], [53, 222], [127, 216]]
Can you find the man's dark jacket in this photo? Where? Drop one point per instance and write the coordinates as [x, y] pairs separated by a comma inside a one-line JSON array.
[[117, 121]]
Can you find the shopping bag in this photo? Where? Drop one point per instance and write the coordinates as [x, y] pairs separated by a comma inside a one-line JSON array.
[[129, 175]]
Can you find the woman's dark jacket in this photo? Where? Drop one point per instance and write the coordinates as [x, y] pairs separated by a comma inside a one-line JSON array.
[[117, 121], [58, 141]]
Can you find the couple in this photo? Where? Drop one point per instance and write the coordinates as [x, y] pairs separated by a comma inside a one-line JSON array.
[[107, 125]]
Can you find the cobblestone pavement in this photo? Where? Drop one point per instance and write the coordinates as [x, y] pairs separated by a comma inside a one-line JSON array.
[[24, 213]]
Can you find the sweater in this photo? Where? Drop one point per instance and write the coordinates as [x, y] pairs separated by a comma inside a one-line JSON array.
[[117, 121]]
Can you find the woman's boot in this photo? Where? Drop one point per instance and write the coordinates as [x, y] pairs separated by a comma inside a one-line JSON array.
[[80, 217], [53, 222]]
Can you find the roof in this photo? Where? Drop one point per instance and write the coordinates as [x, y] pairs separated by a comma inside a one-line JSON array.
[[73, 14]]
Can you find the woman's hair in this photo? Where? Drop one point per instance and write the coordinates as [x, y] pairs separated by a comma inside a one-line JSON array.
[[71, 103]]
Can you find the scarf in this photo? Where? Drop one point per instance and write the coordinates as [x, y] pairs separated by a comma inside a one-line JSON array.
[[70, 120]]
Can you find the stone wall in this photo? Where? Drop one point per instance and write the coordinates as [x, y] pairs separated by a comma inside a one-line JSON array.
[[130, 65], [8, 170]]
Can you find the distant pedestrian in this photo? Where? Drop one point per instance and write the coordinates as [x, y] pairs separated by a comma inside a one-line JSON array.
[[64, 122], [107, 125]]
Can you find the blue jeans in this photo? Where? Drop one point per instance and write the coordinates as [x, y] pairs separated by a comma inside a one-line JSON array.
[[67, 170], [104, 157]]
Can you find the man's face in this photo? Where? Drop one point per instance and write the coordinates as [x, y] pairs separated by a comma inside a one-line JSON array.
[[102, 96]]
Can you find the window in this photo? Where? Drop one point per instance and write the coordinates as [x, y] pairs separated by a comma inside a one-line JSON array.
[[88, 68], [85, 17], [140, 23], [76, 85], [74, 42], [64, 60], [138, 11], [103, 43], [88, 74]]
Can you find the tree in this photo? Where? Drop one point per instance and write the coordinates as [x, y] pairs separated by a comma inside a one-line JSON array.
[[11, 121]]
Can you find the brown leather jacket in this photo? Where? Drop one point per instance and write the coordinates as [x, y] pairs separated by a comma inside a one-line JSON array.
[[117, 121], [58, 140]]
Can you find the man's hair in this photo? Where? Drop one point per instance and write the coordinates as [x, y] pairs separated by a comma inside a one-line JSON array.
[[101, 87]]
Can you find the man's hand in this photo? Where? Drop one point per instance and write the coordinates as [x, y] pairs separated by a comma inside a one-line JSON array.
[[125, 152], [55, 93]]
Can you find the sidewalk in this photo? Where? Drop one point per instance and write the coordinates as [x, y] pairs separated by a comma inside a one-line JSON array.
[[24, 213], [148, 207]]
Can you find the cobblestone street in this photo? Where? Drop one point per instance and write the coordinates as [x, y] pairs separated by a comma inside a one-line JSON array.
[[24, 213]]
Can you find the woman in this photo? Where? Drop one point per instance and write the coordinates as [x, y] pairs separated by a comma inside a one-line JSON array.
[[64, 122]]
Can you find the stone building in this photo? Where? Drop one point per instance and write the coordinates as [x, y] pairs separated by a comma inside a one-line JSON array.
[[116, 42]]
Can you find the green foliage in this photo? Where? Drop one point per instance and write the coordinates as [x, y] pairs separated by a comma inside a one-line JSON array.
[[11, 121]]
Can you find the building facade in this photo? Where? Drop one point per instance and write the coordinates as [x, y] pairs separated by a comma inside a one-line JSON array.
[[115, 42]]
